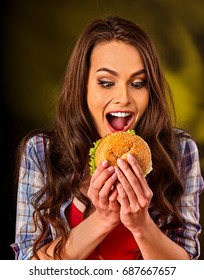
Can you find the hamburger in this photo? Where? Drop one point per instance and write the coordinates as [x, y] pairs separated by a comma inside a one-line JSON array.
[[118, 145]]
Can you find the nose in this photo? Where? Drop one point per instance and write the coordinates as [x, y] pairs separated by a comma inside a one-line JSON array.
[[123, 96]]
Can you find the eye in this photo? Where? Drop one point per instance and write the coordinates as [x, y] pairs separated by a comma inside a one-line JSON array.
[[106, 84], [138, 84]]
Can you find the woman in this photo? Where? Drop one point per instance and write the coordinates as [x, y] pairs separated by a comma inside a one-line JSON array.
[[113, 83]]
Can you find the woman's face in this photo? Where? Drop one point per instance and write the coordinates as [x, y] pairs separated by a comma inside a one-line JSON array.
[[117, 92]]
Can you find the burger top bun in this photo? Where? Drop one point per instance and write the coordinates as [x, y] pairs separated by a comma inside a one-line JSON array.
[[119, 145]]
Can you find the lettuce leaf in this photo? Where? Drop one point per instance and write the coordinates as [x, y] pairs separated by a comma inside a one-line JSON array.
[[92, 152], [131, 131]]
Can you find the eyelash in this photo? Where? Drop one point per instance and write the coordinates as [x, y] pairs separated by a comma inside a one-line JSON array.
[[107, 84], [139, 85]]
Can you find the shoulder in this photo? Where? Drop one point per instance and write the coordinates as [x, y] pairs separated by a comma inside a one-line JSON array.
[[32, 168], [189, 162], [187, 145], [38, 142], [36, 146]]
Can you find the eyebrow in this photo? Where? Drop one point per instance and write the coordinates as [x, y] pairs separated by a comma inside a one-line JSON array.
[[114, 73]]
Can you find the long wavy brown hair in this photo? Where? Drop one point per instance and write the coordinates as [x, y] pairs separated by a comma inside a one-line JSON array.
[[73, 132]]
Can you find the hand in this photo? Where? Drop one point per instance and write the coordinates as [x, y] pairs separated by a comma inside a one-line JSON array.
[[103, 194], [134, 194]]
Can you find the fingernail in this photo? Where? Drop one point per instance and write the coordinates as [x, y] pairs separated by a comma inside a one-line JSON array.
[[114, 176], [130, 156], [104, 163], [110, 168], [120, 161], [117, 170]]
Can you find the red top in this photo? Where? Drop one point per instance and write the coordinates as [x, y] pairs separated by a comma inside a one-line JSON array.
[[119, 244]]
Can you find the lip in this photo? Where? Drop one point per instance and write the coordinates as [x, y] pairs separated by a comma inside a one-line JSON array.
[[127, 127]]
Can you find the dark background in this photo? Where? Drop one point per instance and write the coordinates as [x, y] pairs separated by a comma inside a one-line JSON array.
[[36, 38]]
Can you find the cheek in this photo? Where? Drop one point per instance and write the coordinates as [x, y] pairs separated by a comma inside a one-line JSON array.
[[145, 105], [96, 107], [97, 101], [145, 100], [142, 102]]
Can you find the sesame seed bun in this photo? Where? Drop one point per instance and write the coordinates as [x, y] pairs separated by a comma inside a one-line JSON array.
[[119, 145]]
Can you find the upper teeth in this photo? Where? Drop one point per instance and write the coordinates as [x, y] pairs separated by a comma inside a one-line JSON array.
[[120, 114]]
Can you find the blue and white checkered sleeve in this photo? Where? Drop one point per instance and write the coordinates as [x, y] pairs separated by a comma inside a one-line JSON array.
[[31, 180], [188, 234]]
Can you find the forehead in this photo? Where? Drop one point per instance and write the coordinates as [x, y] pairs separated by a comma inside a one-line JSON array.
[[115, 53]]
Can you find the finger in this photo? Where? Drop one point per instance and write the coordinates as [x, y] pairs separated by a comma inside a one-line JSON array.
[[103, 177], [131, 184], [97, 184], [140, 176], [128, 194], [106, 190], [113, 203], [124, 182], [101, 174], [99, 169], [123, 199]]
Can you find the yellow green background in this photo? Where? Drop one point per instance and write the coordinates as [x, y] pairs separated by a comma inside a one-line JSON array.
[[37, 40]]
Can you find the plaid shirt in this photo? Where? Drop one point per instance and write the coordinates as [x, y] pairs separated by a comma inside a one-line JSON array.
[[31, 180]]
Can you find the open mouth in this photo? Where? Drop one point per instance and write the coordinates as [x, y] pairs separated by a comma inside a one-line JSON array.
[[119, 121]]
